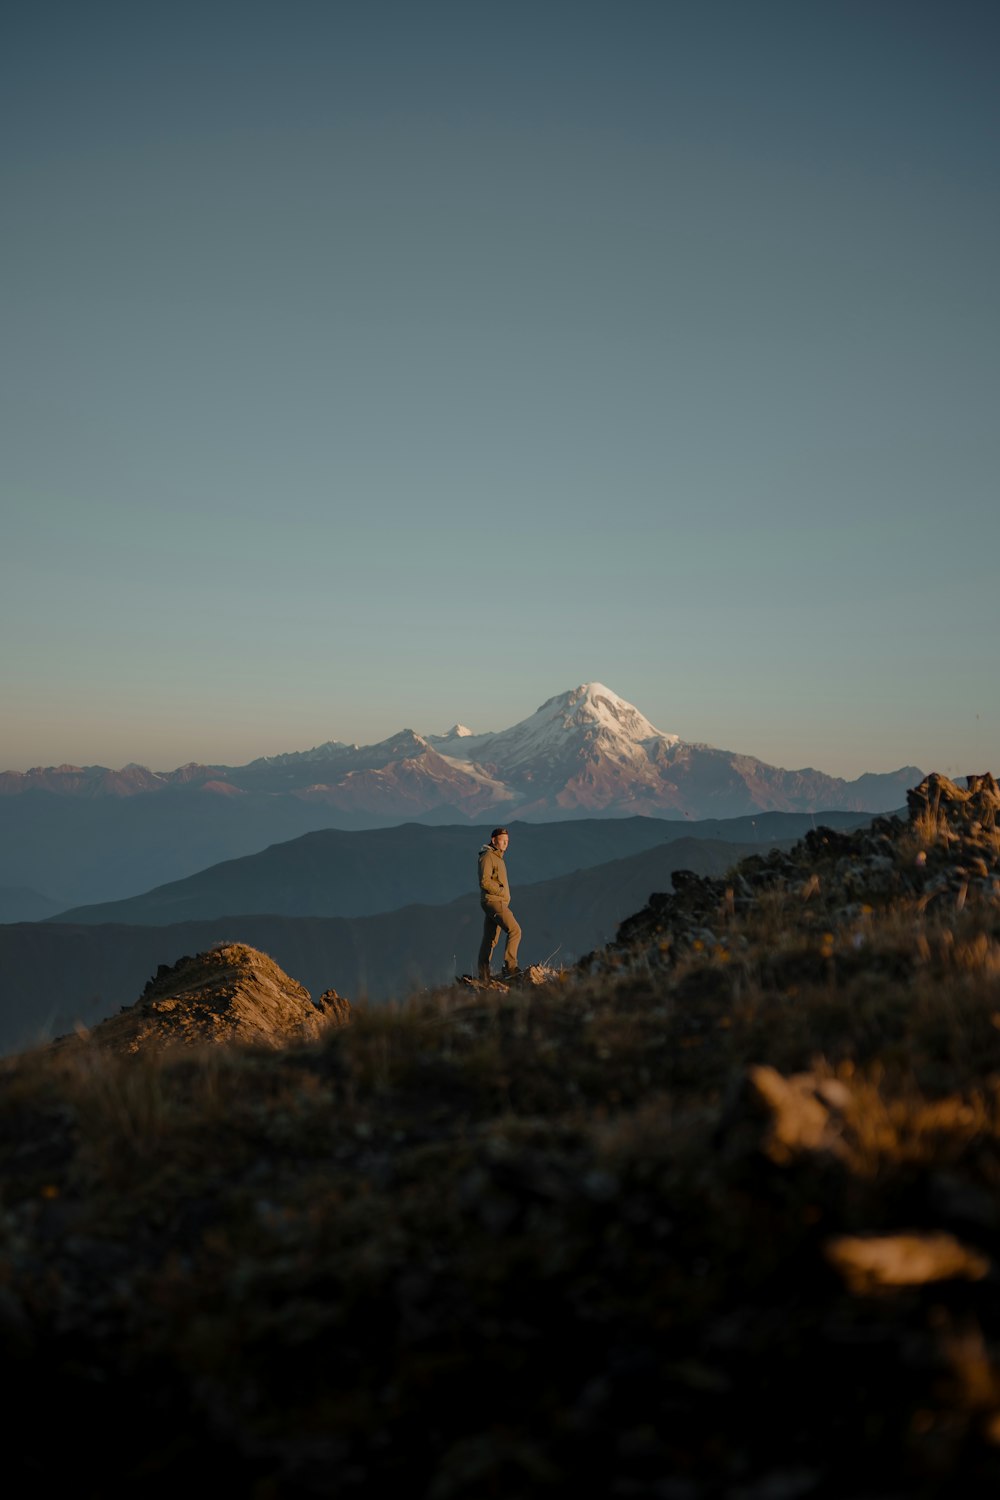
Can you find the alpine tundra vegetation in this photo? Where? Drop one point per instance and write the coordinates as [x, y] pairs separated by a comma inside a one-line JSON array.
[[713, 1215]]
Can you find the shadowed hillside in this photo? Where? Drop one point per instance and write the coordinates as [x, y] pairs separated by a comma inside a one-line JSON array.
[[712, 1215]]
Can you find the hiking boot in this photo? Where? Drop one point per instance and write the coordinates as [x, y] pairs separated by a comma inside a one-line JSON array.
[[514, 973]]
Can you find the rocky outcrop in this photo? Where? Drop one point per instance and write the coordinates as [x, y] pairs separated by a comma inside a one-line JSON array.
[[231, 994], [938, 797], [947, 849]]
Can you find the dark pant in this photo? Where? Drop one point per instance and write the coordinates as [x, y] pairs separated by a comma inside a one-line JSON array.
[[495, 918]]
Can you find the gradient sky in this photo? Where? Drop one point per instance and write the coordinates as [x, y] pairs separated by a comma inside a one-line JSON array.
[[370, 364]]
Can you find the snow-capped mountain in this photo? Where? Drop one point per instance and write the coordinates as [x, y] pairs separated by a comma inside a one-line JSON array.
[[85, 834], [589, 753], [591, 715], [583, 753], [586, 749]]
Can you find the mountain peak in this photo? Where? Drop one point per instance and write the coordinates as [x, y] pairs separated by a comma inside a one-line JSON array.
[[593, 703], [583, 752]]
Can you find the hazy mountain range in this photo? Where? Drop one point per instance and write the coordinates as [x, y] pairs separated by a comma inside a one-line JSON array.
[[71, 834], [358, 873], [56, 974], [339, 910]]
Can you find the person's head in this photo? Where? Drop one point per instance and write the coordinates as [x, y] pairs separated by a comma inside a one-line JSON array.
[[500, 838]]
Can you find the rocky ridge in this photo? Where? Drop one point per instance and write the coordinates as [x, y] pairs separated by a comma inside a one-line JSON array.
[[230, 994], [947, 850]]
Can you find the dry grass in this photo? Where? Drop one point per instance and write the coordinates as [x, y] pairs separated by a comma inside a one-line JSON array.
[[717, 1219]]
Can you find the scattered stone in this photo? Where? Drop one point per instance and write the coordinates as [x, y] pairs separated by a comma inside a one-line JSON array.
[[334, 1007], [785, 1117], [872, 1263], [534, 974]]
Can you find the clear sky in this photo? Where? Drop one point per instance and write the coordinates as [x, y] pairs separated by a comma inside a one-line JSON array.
[[368, 365]]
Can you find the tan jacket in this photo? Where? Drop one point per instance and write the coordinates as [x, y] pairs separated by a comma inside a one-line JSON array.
[[493, 887]]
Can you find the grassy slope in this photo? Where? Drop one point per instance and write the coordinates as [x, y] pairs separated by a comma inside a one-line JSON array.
[[718, 1218]]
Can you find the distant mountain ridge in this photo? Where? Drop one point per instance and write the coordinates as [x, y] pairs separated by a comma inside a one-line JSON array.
[[90, 834], [362, 872], [59, 974], [582, 753]]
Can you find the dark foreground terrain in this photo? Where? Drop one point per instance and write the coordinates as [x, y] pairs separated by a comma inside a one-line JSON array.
[[713, 1216]]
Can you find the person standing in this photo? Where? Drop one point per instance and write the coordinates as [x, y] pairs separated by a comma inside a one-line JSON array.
[[494, 898]]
